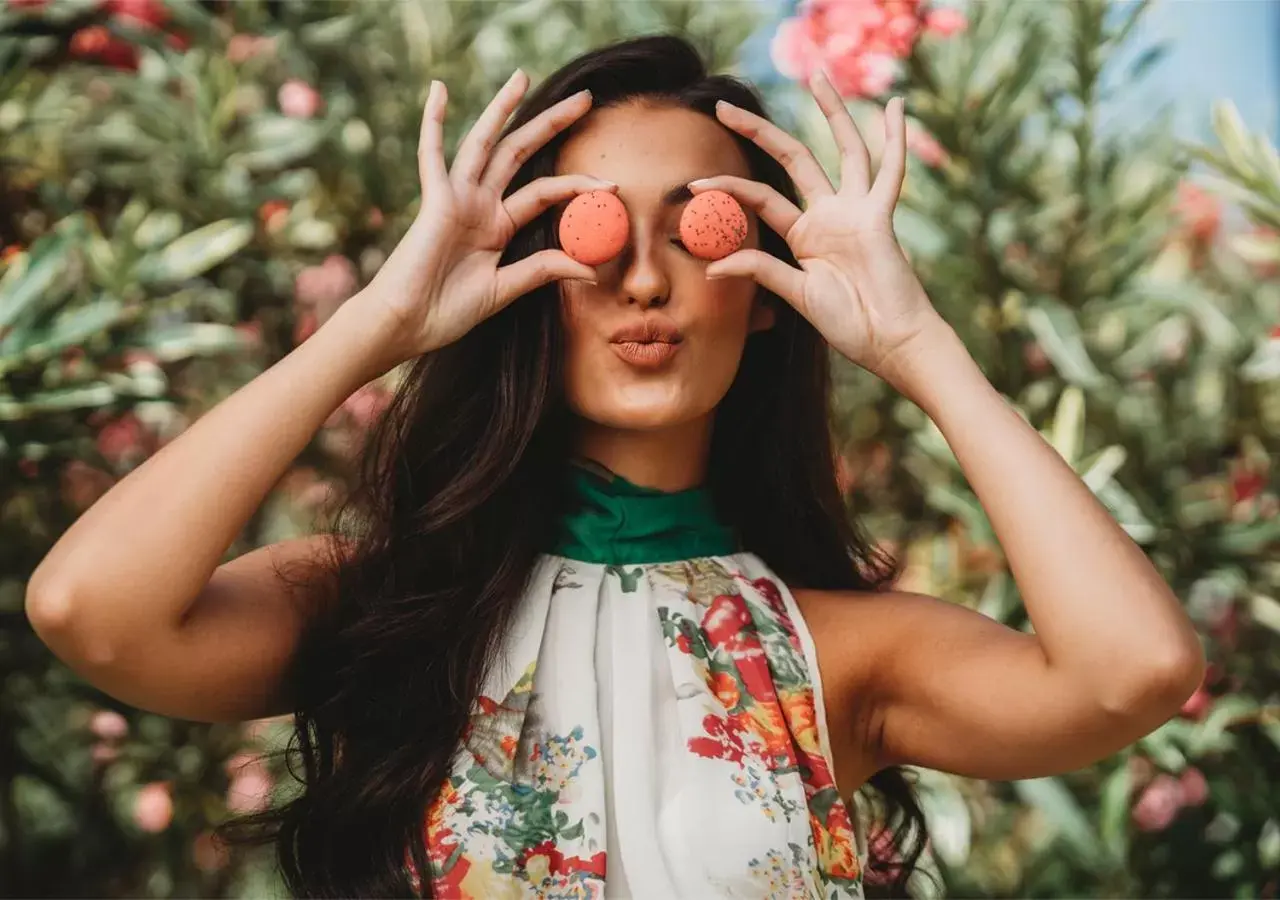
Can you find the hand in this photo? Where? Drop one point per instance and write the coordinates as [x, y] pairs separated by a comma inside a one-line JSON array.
[[443, 278], [854, 282]]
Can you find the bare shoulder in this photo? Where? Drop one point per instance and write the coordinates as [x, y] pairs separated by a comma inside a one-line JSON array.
[[850, 630]]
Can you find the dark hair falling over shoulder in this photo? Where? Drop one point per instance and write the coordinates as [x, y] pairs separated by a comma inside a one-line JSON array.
[[459, 483]]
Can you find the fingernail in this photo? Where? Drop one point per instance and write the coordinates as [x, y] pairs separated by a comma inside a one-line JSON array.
[[699, 182], [585, 92], [601, 181]]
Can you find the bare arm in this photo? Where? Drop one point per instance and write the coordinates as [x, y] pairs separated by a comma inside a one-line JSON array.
[[1113, 654], [132, 596]]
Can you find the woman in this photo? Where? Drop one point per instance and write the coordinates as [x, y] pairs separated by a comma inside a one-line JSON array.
[[576, 640]]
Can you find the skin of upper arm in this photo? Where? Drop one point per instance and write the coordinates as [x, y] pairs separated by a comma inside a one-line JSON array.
[[228, 660], [934, 684]]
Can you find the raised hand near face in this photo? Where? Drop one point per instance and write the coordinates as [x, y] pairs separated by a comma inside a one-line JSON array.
[[853, 283]]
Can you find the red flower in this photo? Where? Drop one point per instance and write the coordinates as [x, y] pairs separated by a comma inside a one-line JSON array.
[[723, 740], [726, 689], [1201, 212], [273, 214], [147, 13], [1197, 704], [98, 44], [122, 440], [558, 863]]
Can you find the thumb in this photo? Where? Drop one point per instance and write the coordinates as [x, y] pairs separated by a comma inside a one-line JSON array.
[[538, 269]]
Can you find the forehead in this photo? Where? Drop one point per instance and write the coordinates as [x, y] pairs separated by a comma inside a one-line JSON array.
[[647, 149]]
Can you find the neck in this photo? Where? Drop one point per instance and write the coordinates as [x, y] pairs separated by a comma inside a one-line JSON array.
[[665, 459]]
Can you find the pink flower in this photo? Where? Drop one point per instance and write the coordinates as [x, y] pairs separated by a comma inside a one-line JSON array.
[[82, 484], [926, 147], [303, 327], [858, 42], [1197, 704], [121, 441], [109, 725], [1201, 212], [28, 4], [865, 75], [208, 853], [153, 807], [249, 791], [945, 21], [792, 48], [299, 100], [145, 13], [244, 47], [1158, 804], [366, 404], [1195, 790], [325, 286], [245, 762], [102, 753]]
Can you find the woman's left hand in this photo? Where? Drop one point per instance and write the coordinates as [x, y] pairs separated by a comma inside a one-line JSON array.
[[854, 282]]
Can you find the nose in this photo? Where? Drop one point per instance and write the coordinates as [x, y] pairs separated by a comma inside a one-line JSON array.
[[645, 281]]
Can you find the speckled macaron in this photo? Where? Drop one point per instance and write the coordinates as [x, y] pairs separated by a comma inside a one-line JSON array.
[[594, 227], [713, 225]]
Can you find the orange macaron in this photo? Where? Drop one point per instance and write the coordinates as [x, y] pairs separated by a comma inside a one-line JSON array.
[[594, 227], [713, 225]]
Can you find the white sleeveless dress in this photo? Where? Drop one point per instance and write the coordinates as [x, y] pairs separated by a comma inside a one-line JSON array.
[[654, 731]]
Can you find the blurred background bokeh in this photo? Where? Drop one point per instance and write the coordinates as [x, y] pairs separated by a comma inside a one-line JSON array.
[[188, 189]]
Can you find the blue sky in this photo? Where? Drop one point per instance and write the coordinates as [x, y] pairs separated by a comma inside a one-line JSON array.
[[1216, 48]]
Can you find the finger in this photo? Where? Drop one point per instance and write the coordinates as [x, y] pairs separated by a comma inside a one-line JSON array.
[[794, 156], [893, 164], [538, 269], [774, 210], [855, 161], [431, 167], [475, 148], [518, 146], [767, 270], [537, 196]]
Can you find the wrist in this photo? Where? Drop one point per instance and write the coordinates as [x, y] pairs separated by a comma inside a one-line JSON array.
[[364, 332], [933, 357]]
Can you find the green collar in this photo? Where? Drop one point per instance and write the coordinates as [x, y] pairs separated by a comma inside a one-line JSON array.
[[615, 522]]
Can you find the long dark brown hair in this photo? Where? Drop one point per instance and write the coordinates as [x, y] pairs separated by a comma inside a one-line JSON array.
[[462, 479]]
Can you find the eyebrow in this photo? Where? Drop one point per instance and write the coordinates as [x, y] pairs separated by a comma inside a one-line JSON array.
[[677, 194]]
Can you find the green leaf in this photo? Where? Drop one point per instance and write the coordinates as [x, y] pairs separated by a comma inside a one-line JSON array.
[[69, 329], [1265, 611], [1269, 845], [33, 289], [276, 141], [195, 253], [1051, 797], [175, 342], [1246, 539], [90, 396], [1058, 331], [1068, 425], [1113, 812], [1231, 132], [1144, 63]]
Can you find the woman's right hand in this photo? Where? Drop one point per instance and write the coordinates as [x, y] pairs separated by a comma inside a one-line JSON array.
[[443, 277]]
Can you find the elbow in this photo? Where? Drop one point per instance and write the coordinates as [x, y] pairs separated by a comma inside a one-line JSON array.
[[54, 618], [1156, 689]]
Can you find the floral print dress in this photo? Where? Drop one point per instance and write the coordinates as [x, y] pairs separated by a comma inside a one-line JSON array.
[[652, 729]]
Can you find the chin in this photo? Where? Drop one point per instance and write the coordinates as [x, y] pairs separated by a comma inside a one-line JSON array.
[[637, 413]]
